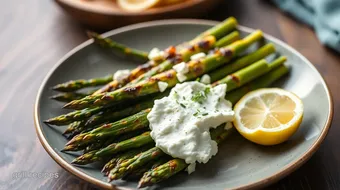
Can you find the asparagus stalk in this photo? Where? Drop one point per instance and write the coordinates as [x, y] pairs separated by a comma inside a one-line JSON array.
[[186, 53], [129, 124], [249, 73], [73, 116], [69, 96], [114, 148], [136, 142], [228, 39], [139, 173], [196, 68], [74, 85], [135, 163], [217, 31], [120, 158], [105, 142], [74, 126], [220, 29], [174, 166], [242, 62], [261, 82], [113, 116], [117, 47]]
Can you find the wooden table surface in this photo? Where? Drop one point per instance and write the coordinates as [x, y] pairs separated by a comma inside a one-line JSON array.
[[34, 34]]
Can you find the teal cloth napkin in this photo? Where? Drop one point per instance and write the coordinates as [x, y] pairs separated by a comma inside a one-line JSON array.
[[322, 15]]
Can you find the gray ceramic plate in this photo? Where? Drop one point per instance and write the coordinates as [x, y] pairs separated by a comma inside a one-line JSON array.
[[239, 163]]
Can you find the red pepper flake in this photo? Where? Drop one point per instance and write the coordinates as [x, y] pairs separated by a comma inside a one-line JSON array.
[[171, 51]]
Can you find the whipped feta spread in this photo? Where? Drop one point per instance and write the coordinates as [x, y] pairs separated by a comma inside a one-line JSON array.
[[180, 122], [120, 75]]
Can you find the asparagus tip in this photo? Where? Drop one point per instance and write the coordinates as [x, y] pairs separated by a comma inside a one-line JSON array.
[[143, 184], [68, 148]]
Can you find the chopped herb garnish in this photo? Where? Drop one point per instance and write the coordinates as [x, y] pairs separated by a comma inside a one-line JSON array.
[[182, 105], [195, 114], [206, 91], [176, 95], [198, 97], [204, 114]]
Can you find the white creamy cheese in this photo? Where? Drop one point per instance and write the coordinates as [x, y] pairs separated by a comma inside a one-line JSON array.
[[120, 75], [181, 68], [206, 79], [156, 54], [181, 77], [180, 122], [162, 86], [198, 56]]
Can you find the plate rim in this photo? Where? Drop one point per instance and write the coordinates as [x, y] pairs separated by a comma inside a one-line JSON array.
[[162, 10], [260, 183]]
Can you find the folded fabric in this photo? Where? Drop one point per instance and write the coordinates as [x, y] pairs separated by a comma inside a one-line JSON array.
[[322, 15]]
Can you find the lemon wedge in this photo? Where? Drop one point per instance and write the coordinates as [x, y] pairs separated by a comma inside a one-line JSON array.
[[268, 116], [137, 5]]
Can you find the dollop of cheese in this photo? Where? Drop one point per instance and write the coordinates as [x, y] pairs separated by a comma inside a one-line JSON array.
[[181, 69], [156, 54], [180, 122], [162, 86], [120, 75], [206, 79], [198, 56]]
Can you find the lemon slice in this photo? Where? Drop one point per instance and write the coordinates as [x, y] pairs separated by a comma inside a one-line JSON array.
[[268, 116], [137, 5]]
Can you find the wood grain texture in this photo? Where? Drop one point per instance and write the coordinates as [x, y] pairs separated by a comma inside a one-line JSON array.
[[35, 34]]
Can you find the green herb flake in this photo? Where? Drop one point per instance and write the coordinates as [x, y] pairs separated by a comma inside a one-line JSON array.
[[183, 106], [204, 114], [176, 95], [206, 91]]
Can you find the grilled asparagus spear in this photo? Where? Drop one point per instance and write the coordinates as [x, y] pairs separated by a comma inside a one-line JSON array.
[[196, 68]]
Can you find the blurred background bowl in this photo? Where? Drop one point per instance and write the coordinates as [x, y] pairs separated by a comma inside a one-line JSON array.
[[105, 14]]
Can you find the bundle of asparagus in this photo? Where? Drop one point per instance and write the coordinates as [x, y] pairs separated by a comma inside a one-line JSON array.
[[109, 130]]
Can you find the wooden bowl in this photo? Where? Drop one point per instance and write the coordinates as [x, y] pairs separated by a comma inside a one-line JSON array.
[[105, 14]]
